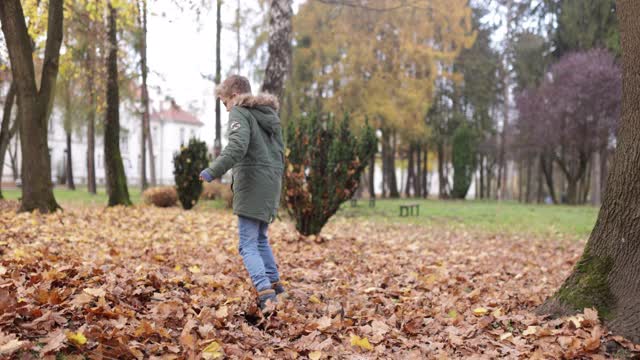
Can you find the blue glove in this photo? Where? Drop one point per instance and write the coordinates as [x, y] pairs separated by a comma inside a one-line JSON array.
[[204, 175]]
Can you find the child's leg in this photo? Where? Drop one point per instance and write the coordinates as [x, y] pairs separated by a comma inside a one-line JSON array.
[[249, 231], [266, 254]]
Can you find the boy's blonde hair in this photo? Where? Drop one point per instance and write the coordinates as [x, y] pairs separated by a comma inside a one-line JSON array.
[[234, 84]]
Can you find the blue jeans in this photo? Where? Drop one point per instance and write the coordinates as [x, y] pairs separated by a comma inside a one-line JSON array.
[[256, 253]]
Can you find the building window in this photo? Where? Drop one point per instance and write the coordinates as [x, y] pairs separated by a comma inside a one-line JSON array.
[[124, 142], [181, 136]]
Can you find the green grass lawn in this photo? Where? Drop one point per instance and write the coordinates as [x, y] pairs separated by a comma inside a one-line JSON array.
[[492, 216], [79, 196]]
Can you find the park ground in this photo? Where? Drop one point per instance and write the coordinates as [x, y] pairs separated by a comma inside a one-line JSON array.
[[460, 281]]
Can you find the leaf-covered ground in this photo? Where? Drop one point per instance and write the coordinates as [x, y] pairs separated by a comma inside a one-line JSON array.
[[151, 283]]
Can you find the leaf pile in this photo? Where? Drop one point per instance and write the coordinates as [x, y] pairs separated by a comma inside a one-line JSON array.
[[149, 283]]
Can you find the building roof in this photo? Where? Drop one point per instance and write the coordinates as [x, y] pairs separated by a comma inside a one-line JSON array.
[[175, 114]]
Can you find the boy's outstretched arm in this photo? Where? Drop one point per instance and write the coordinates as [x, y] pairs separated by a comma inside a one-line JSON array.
[[239, 136]]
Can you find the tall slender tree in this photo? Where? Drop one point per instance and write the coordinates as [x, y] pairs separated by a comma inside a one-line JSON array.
[[34, 103], [7, 131], [217, 144], [606, 275], [279, 62], [116, 178], [91, 119], [145, 138]]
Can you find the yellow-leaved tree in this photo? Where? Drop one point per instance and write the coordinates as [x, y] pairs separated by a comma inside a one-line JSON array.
[[376, 62]]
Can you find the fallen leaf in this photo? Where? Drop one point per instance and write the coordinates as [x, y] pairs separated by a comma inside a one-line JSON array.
[[363, 343], [480, 311], [76, 338], [531, 330], [11, 346], [315, 355], [314, 299], [95, 292], [506, 336], [212, 351]]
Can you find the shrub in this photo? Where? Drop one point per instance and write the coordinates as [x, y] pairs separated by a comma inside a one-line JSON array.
[[217, 191], [465, 150], [324, 162], [162, 196], [188, 163]]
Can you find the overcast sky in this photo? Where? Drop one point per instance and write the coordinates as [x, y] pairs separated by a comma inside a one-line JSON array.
[[181, 49]]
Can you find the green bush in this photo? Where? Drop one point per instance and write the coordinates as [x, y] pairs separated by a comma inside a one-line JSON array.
[[465, 152], [188, 163], [324, 163]]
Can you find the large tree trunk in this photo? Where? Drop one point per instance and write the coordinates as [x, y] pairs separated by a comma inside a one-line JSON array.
[[69, 168], [606, 276], [116, 179], [6, 131], [279, 61], [34, 105]]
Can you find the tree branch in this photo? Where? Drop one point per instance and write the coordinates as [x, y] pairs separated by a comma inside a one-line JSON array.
[[51, 56], [358, 4], [19, 46]]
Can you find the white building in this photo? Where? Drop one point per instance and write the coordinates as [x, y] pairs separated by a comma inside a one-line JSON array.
[[171, 126]]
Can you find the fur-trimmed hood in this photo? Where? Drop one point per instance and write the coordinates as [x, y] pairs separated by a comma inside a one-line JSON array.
[[251, 101]]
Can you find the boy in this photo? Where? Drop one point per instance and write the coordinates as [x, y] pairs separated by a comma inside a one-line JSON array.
[[256, 153]]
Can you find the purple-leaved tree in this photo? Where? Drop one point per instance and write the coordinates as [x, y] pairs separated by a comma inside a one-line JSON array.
[[572, 115]]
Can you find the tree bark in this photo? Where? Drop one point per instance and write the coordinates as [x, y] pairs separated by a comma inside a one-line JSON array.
[[442, 178], [393, 181], [481, 180], [596, 195], [607, 274], [385, 162], [68, 171], [69, 168], [6, 131], [279, 48], [116, 179], [372, 172], [417, 182], [34, 105], [410, 172], [528, 184], [91, 121], [546, 166], [217, 143], [425, 172], [144, 133]]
